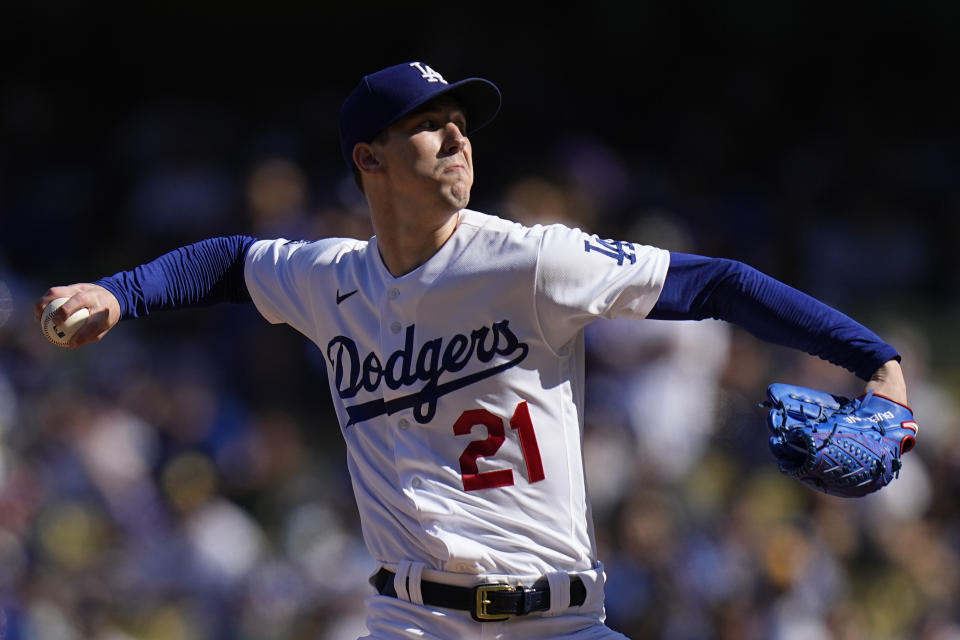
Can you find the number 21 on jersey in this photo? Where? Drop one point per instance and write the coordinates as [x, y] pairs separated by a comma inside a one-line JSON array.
[[473, 478]]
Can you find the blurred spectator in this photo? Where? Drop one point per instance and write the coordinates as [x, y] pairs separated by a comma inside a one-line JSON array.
[[277, 198], [661, 377]]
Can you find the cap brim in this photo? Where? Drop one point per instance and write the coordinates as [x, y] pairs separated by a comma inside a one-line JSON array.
[[480, 98]]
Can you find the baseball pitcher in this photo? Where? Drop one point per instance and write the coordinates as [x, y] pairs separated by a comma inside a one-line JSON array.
[[453, 340]]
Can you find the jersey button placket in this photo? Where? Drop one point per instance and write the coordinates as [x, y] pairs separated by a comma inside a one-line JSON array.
[[396, 322]]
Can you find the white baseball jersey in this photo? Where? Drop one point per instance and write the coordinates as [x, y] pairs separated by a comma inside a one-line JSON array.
[[459, 386]]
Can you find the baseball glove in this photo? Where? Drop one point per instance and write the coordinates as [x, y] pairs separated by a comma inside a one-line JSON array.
[[846, 448]]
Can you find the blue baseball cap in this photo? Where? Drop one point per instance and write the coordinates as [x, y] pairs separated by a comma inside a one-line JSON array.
[[383, 97]]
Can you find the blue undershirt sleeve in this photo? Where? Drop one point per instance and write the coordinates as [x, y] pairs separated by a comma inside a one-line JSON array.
[[698, 287], [204, 273]]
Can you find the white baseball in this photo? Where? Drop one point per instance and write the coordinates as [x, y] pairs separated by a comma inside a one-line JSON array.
[[60, 334]]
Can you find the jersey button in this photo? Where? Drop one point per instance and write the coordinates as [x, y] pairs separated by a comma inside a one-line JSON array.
[[404, 423], [395, 327], [394, 293], [417, 482]]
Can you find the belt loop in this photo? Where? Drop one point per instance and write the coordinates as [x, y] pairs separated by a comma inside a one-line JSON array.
[[400, 580], [559, 593], [416, 574]]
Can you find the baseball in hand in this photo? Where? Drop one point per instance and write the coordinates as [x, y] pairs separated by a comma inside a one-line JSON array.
[[60, 334]]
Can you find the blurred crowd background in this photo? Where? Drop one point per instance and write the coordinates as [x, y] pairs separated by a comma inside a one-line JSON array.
[[185, 478]]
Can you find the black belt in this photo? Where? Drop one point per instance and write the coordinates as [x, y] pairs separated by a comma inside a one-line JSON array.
[[485, 602]]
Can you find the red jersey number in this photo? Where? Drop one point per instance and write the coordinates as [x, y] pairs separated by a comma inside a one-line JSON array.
[[473, 478]]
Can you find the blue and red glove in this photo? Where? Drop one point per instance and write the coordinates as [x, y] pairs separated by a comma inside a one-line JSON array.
[[846, 448]]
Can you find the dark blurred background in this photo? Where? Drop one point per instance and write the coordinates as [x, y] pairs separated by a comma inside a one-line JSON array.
[[185, 478]]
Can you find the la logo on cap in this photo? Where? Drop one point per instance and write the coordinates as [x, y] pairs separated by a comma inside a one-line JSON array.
[[427, 73]]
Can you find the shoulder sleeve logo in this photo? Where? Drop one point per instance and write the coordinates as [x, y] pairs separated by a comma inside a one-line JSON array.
[[616, 249]]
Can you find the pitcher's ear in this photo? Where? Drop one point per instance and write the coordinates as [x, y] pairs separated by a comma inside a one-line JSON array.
[[366, 158]]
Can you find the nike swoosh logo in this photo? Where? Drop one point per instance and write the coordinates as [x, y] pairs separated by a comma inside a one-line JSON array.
[[341, 298]]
